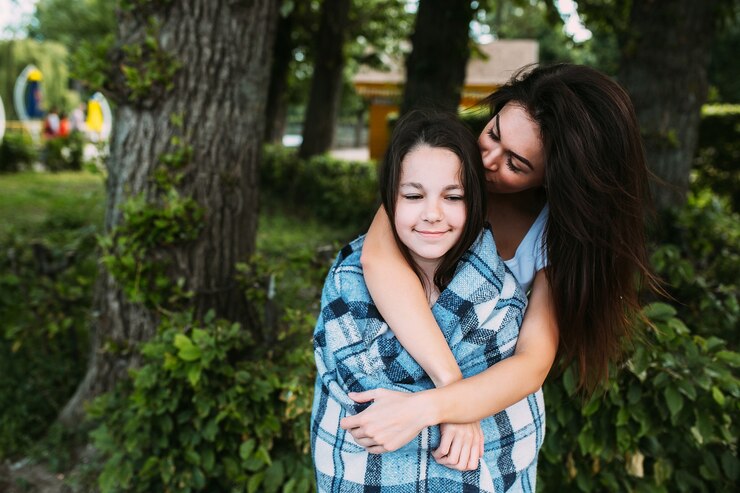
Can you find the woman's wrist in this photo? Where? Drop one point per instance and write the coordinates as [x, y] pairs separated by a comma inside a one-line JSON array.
[[446, 377], [430, 405]]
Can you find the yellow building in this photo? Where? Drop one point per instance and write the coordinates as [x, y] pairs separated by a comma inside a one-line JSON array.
[[486, 72]]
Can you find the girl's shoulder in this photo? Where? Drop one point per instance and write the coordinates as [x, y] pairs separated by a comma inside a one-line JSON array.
[[349, 255]]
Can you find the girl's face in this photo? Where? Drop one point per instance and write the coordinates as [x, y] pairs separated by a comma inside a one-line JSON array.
[[430, 207], [512, 151]]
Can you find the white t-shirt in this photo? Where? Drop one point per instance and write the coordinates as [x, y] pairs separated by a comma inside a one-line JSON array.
[[531, 254]]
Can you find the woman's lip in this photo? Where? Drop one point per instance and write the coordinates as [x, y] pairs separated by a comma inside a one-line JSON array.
[[431, 233]]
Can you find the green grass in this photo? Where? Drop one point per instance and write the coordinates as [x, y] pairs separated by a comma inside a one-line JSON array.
[[29, 200]]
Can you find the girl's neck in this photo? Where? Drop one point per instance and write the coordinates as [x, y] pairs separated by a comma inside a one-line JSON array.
[[428, 268]]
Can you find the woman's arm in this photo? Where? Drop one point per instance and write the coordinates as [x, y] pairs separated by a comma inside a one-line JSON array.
[[402, 302], [395, 417], [404, 306]]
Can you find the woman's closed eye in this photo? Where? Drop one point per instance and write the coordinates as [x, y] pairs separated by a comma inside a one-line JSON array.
[[510, 164], [412, 196], [454, 198], [494, 136]]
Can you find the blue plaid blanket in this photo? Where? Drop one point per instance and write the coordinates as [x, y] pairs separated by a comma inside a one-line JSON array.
[[480, 313]]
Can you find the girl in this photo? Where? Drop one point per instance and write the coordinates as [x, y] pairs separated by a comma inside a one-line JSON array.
[[567, 179], [432, 187]]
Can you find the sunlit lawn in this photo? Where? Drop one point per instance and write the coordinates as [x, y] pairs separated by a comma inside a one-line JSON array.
[[29, 200]]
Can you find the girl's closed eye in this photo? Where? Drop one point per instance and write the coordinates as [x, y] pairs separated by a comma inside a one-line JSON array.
[[493, 135], [455, 198], [412, 196]]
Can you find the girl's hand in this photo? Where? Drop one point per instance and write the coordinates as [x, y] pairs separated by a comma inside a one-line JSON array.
[[392, 421], [460, 447]]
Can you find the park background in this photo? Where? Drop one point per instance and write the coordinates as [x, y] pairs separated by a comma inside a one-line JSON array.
[[158, 291]]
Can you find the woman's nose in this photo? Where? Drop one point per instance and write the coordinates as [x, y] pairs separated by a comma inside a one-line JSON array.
[[491, 158]]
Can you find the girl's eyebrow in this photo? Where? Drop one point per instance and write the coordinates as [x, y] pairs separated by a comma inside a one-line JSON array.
[[420, 187], [513, 154]]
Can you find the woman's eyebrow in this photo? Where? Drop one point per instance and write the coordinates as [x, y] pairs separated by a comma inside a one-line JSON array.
[[514, 154]]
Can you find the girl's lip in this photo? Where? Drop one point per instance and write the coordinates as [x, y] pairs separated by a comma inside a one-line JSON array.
[[430, 233]]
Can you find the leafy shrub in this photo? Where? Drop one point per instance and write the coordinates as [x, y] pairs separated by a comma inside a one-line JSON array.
[[210, 411], [668, 421], [45, 298], [17, 152], [332, 190], [699, 260], [718, 154], [65, 153]]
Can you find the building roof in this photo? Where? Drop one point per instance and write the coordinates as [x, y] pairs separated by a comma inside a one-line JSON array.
[[493, 66]]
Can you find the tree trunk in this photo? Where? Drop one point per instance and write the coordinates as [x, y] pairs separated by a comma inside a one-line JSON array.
[[277, 96], [435, 69], [665, 55], [218, 93], [326, 85]]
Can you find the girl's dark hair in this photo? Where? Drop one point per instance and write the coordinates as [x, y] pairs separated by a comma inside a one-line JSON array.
[[438, 130], [596, 183]]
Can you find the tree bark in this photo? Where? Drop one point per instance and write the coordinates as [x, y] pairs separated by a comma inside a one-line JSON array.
[[435, 69], [224, 48], [277, 96], [326, 85], [664, 59]]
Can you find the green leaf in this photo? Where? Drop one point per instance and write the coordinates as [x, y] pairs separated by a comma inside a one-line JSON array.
[[674, 399], [255, 481], [659, 312], [718, 396], [246, 448], [569, 380], [186, 350], [194, 375]]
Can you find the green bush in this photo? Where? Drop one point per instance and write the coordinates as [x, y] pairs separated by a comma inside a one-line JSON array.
[[718, 154], [210, 411], [698, 258], [17, 152], [45, 299], [65, 153], [668, 421], [332, 190]]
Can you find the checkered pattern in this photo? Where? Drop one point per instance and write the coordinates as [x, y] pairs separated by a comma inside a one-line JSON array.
[[480, 313]]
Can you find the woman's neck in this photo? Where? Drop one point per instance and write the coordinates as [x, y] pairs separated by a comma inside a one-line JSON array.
[[528, 202], [511, 216]]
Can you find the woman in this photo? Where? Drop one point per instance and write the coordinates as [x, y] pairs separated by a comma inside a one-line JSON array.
[[567, 190]]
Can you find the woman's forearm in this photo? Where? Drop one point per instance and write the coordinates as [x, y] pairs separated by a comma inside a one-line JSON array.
[[509, 380], [402, 302]]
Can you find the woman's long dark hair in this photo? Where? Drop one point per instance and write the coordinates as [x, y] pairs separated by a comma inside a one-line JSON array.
[[438, 130], [596, 183]]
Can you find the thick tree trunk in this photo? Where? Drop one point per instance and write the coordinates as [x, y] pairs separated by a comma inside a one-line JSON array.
[[224, 48], [665, 55], [277, 96], [326, 85], [435, 69]]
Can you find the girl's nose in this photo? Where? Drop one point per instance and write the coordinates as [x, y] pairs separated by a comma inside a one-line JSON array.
[[432, 212]]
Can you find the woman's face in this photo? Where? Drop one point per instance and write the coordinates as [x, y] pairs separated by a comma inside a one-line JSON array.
[[512, 151]]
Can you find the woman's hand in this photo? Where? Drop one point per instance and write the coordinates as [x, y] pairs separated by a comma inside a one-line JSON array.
[[460, 447], [392, 421], [395, 418]]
